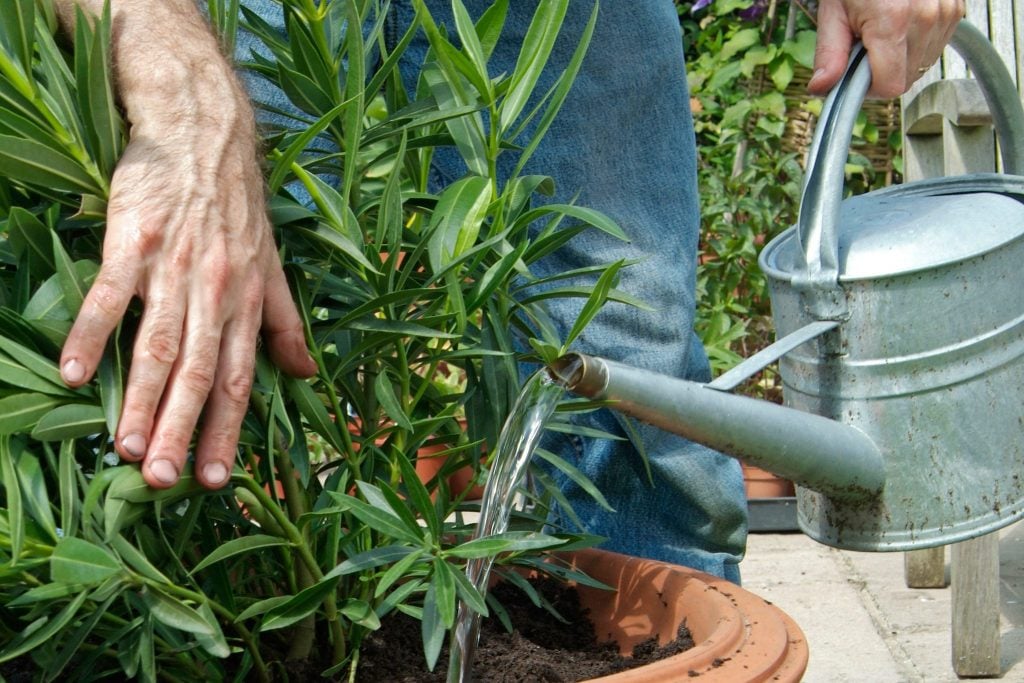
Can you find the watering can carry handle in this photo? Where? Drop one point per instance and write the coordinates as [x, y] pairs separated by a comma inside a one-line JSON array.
[[818, 222]]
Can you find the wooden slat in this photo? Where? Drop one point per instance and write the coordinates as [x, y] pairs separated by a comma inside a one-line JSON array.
[[1001, 33], [1018, 33], [975, 604]]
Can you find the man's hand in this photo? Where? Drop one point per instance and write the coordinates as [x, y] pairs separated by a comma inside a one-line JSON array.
[[187, 233], [903, 38]]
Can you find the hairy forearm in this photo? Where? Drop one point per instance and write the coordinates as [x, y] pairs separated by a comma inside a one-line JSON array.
[[168, 66]]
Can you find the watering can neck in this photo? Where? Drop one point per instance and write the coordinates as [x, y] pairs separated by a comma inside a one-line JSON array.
[[787, 442]]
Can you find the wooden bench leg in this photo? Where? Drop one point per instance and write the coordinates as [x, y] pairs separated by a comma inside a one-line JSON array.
[[925, 568], [975, 597]]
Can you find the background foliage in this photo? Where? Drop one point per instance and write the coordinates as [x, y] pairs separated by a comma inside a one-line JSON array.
[[742, 56]]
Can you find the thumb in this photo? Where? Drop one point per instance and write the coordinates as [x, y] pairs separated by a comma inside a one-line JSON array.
[[835, 39], [283, 330]]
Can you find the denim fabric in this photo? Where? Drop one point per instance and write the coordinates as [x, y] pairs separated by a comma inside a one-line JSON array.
[[624, 144]]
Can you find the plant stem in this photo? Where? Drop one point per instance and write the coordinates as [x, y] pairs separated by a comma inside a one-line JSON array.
[[223, 612]]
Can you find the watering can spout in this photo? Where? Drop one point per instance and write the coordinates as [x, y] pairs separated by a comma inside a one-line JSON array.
[[834, 459]]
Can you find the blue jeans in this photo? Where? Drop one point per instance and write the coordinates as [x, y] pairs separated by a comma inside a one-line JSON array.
[[624, 144]]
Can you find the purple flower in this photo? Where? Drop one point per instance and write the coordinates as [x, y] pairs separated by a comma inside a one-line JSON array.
[[699, 5], [754, 12]]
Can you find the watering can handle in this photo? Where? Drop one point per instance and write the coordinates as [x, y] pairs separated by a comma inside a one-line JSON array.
[[818, 222]]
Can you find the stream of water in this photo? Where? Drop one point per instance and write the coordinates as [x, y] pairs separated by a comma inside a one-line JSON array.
[[516, 444]]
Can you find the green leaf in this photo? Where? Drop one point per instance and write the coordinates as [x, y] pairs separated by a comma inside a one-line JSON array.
[[48, 592], [299, 606], [512, 541], [384, 522], [397, 571], [360, 612], [129, 485], [136, 559], [443, 583], [20, 413], [262, 607], [432, 627], [175, 613], [18, 24], [457, 219], [110, 375], [102, 117], [73, 287], [35, 498], [314, 411], [533, 56], [39, 365], [16, 375], [15, 511], [239, 546], [35, 164], [371, 559], [67, 469], [743, 39], [42, 630], [70, 422], [596, 300], [215, 644], [388, 399], [76, 560], [30, 239]]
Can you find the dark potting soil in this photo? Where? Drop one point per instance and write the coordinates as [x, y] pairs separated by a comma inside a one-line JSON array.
[[540, 649]]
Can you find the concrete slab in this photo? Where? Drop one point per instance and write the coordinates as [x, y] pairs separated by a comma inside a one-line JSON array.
[[862, 622]]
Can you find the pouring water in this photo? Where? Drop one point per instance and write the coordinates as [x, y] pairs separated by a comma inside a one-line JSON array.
[[516, 444]]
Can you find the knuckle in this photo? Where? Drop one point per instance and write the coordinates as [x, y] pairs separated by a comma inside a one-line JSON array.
[[163, 344], [198, 377], [236, 387]]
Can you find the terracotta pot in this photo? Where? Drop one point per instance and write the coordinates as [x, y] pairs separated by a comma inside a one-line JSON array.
[[429, 462], [739, 636], [763, 484]]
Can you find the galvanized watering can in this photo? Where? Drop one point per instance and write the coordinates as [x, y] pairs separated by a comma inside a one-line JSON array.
[[901, 346]]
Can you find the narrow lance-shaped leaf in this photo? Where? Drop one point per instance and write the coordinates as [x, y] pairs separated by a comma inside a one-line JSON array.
[[239, 546], [104, 118], [76, 560], [20, 413], [299, 606], [71, 421], [35, 497], [31, 241], [556, 98], [111, 382], [67, 468], [176, 613], [389, 401], [73, 288], [18, 23], [432, 627], [533, 56], [34, 164], [42, 630], [15, 512], [594, 303], [41, 366]]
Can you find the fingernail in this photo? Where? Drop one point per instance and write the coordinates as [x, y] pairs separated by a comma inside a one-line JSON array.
[[215, 473], [817, 74], [164, 471], [134, 445], [73, 371]]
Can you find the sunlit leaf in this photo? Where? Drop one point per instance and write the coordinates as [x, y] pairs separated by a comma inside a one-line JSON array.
[[175, 613], [76, 560], [239, 546], [20, 413], [70, 422]]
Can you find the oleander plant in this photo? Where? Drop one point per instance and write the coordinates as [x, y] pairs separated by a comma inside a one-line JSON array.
[[420, 307]]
